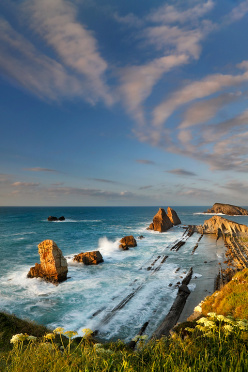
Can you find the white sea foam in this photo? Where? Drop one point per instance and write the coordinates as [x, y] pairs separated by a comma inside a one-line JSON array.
[[211, 214], [108, 248], [196, 275]]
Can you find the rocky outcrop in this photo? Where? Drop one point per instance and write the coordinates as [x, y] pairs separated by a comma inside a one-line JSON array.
[[52, 218], [89, 258], [228, 209], [53, 266], [161, 222], [221, 226], [175, 220], [127, 242]]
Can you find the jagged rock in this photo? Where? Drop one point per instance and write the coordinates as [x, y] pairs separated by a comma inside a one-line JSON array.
[[89, 258], [216, 224], [127, 242], [53, 218], [161, 222], [175, 220], [141, 237], [227, 209], [53, 266]]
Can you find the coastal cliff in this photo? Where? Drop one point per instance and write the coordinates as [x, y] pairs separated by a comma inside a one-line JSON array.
[[219, 225], [228, 209]]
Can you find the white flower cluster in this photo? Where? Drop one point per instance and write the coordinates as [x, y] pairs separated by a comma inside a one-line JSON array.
[[214, 323], [20, 337]]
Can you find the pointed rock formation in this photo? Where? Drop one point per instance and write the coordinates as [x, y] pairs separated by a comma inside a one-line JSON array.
[[127, 241], [175, 220], [89, 258], [161, 222], [219, 225], [228, 209], [53, 266]]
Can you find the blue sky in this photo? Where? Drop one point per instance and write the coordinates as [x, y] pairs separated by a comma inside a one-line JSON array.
[[107, 102]]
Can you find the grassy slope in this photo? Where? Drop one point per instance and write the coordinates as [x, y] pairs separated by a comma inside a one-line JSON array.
[[232, 299]]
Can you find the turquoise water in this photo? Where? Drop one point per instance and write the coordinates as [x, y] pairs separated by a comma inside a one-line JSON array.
[[96, 289]]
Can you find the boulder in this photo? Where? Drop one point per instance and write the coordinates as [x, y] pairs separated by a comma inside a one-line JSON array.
[[53, 266], [228, 209], [127, 241], [161, 222], [175, 220], [52, 218], [221, 226], [89, 258]]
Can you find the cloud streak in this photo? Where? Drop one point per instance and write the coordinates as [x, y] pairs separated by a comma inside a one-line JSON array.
[[181, 172]]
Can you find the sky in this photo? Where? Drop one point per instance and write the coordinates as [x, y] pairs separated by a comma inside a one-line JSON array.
[[123, 103]]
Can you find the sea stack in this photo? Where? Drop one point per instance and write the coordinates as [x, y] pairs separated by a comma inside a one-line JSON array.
[[53, 266], [173, 216], [161, 222], [228, 209]]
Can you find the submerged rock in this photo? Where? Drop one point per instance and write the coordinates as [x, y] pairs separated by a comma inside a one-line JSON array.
[[161, 222], [127, 242], [175, 220], [219, 225], [89, 258], [227, 209], [53, 266]]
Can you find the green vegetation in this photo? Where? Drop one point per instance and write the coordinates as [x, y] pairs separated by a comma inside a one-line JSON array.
[[232, 299], [215, 342]]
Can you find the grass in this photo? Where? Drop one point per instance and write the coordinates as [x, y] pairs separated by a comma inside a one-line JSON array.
[[203, 345], [232, 299]]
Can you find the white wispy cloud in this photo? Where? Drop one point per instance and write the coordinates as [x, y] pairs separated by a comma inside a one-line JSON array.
[[170, 14], [73, 67], [201, 112], [177, 45], [193, 91], [56, 22]]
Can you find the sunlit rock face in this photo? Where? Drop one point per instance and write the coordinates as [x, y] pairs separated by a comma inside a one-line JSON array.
[[228, 209], [172, 214], [127, 241], [53, 266], [161, 222], [217, 224], [89, 258]]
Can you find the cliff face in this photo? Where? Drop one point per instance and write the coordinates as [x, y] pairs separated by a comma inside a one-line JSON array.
[[228, 209], [219, 225]]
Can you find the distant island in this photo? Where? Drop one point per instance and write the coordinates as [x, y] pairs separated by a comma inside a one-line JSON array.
[[228, 209]]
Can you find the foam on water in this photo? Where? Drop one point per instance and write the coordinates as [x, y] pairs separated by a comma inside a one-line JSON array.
[[97, 288]]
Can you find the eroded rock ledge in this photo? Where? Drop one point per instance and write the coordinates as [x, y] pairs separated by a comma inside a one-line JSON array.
[[228, 209], [163, 222], [219, 225]]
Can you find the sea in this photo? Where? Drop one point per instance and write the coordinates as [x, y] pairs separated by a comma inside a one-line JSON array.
[[117, 296]]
